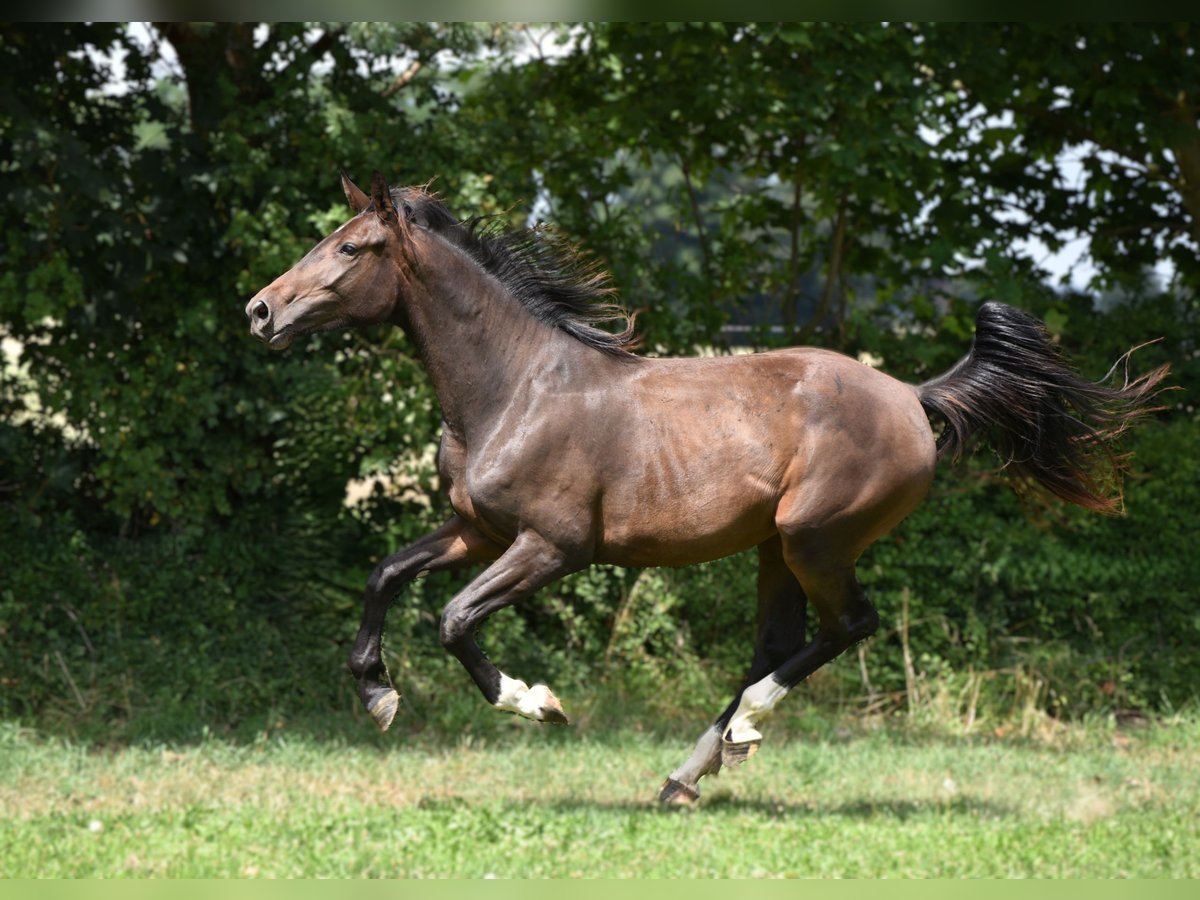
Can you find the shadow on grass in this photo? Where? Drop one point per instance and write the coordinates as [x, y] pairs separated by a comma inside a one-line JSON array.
[[729, 805], [900, 810]]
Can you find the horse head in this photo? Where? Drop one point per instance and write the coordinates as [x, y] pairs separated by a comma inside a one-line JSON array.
[[351, 277]]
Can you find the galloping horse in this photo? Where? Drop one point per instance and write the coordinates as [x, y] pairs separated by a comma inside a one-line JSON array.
[[561, 448]]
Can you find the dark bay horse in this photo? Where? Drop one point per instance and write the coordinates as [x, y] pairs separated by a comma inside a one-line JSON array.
[[562, 448]]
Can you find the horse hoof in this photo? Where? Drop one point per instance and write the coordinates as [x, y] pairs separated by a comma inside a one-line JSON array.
[[383, 709], [734, 753], [552, 711], [676, 793], [540, 704]]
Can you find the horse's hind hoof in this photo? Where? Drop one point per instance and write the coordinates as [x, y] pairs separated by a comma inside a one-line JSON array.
[[734, 753], [383, 709], [676, 793]]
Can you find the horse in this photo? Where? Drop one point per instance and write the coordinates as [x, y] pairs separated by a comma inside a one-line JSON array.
[[562, 447]]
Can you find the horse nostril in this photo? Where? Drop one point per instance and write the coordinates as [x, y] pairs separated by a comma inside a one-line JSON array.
[[260, 311]]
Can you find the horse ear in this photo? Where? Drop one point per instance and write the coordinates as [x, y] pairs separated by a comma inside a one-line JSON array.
[[381, 196], [357, 199]]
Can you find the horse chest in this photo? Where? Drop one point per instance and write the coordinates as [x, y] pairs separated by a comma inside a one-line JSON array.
[[476, 493], [503, 487]]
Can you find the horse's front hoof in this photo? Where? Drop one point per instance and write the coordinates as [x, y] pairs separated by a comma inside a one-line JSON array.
[[676, 793], [551, 711], [537, 702], [383, 708]]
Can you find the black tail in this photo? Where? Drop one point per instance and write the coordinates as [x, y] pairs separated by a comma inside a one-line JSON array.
[[1052, 427]]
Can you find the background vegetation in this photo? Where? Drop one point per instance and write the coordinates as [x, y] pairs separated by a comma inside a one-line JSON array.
[[178, 551]]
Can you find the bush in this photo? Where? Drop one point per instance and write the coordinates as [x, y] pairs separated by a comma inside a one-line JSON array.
[[1098, 608]]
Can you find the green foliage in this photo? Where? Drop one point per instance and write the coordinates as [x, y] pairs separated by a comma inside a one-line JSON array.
[[1098, 609], [167, 634], [711, 163], [1121, 102]]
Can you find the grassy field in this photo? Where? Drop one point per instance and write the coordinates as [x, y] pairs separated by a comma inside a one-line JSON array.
[[843, 799]]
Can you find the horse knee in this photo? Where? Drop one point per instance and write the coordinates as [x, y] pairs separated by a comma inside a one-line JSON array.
[[455, 628], [375, 583], [381, 583]]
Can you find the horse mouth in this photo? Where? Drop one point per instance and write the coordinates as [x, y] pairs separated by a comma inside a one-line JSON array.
[[281, 340]]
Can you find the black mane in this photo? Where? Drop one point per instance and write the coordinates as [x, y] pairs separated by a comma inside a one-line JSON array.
[[549, 277]]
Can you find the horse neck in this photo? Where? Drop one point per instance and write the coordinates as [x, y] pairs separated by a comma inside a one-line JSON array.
[[481, 347]]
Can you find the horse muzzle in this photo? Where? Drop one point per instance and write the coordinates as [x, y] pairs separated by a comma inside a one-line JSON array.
[[262, 325]]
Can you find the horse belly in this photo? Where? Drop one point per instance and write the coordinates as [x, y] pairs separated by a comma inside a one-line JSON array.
[[708, 507]]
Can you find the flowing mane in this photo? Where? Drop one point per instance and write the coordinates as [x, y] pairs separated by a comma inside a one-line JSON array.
[[541, 269]]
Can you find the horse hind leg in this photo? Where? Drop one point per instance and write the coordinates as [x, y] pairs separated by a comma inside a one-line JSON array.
[[845, 617], [780, 634], [852, 514]]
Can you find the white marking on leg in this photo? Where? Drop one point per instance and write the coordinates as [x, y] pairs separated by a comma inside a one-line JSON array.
[[511, 692], [757, 703], [518, 697], [706, 758]]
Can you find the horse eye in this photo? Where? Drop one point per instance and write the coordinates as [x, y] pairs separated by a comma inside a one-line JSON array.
[[348, 249]]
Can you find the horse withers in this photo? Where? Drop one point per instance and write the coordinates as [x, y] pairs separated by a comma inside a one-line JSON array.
[[561, 447]]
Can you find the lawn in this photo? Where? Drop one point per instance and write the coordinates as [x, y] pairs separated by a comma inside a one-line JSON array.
[[838, 800]]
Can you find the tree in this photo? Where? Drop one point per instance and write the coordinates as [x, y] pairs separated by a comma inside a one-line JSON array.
[[144, 217], [847, 173], [776, 154], [1122, 100]]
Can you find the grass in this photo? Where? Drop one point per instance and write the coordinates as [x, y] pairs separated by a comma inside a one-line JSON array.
[[841, 799]]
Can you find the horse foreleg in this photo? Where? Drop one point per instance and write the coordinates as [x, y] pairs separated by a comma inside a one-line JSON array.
[[529, 564], [779, 636], [453, 545]]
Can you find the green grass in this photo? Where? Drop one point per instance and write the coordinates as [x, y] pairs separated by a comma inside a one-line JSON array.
[[842, 799]]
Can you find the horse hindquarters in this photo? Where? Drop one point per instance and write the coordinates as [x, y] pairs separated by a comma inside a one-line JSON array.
[[870, 463]]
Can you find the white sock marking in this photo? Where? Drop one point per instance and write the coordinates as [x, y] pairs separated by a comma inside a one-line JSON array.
[[757, 703], [518, 697], [707, 752]]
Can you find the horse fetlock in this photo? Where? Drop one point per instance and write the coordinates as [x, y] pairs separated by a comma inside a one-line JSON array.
[[742, 732], [713, 768], [741, 740]]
